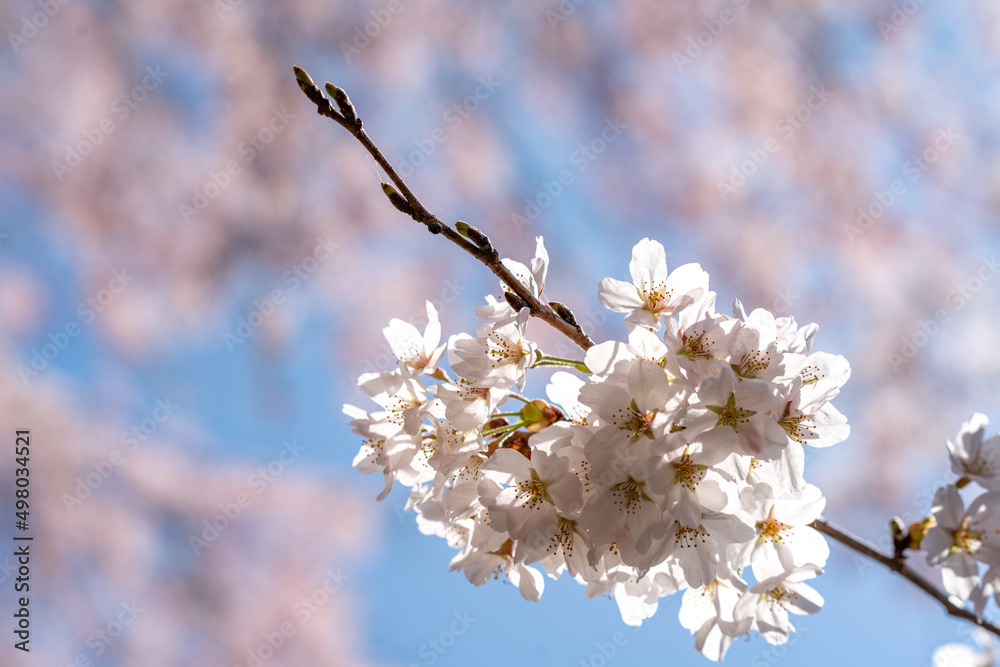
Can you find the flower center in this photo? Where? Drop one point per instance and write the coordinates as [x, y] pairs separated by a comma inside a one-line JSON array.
[[798, 427], [781, 597], [627, 495], [696, 346], [770, 528], [397, 404], [531, 493], [690, 537], [469, 392], [470, 471], [562, 538], [811, 374], [732, 415], [632, 421], [753, 363], [657, 298], [375, 447], [687, 473], [502, 350], [967, 539]]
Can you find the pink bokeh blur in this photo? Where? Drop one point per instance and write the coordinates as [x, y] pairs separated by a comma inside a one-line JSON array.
[[751, 145]]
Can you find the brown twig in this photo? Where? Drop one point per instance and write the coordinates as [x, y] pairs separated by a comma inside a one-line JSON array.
[[898, 564], [472, 240]]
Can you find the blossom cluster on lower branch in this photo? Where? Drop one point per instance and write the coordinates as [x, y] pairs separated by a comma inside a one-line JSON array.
[[669, 461], [965, 541]]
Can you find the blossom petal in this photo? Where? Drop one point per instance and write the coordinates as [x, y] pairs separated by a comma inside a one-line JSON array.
[[619, 296]]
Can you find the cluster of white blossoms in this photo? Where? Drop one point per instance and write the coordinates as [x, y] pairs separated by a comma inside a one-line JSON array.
[[957, 538], [671, 461]]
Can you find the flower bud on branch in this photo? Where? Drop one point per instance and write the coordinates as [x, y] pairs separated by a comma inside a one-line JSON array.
[[344, 104], [477, 244], [312, 91], [397, 199]]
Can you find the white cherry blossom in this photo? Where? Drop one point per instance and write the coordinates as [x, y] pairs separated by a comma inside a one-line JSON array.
[[697, 548], [523, 497], [960, 538], [421, 352], [784, 538], [654, 293], [734, 415], [688, 480], [973, 457], [468, 406], [755, 353], [499, 356], [769, 602], [707, 611]]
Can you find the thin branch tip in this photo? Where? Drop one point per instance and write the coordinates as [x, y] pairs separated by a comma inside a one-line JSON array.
[[467, 237]]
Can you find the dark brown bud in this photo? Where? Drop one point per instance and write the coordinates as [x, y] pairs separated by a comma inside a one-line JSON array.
[[515, 302], [343, 103], [565, 313], [309, 87], [474, 235], [397, 199]]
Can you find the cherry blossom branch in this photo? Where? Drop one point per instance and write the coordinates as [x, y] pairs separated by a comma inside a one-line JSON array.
[[898, 564], [478, 244], [465, 236]]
